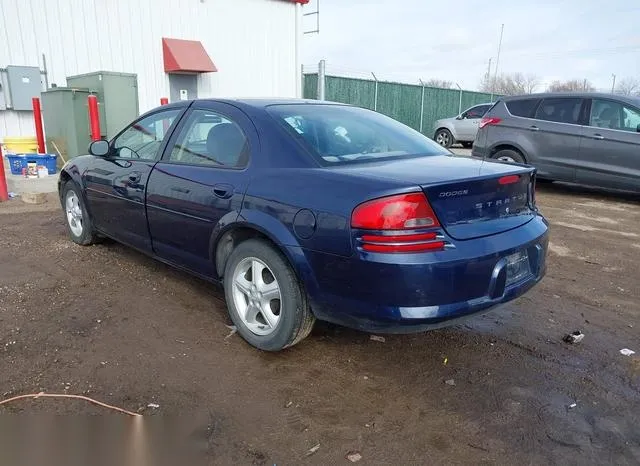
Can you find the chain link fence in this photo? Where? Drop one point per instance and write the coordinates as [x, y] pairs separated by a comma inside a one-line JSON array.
[[414, 105]]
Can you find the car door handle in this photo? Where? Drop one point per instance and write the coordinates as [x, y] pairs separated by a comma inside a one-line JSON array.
[[180, 190], [598, 137], [534, 128], [223, 191]]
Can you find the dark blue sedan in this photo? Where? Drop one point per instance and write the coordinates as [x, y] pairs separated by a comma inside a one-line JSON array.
[[307, 210]]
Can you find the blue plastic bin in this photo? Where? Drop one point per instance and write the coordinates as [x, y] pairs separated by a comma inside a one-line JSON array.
[[19, 161]]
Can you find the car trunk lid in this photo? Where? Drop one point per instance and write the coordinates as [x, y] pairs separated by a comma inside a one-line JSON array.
[[483, 206], [466, 193]]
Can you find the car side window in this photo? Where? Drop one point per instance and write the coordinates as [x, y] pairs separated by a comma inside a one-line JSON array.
[[143, 139], [209, 138], [614, 115], [522, 108], [560, 110], [476, 112]]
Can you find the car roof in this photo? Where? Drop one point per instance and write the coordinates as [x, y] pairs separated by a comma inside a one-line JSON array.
[[259, 102], [585, 95]]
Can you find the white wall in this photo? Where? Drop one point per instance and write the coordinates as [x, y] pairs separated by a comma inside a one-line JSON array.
[[251, 42]]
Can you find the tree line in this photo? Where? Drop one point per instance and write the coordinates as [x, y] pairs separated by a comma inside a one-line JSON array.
[[520, 83]]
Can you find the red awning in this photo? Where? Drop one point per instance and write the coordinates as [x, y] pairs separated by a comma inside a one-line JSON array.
[[185, 56]]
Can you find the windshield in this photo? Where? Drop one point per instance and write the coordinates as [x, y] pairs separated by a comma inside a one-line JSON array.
[[338, 134]]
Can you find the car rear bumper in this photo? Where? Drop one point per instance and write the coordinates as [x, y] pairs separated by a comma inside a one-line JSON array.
[[427, 290]]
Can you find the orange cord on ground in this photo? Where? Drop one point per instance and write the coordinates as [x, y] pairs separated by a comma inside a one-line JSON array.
[[77, 397]]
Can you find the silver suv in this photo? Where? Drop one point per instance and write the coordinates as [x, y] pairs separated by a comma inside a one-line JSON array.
[[461, 128], [590, 138]]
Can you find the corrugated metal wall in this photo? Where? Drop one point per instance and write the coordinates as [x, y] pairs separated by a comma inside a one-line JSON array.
[[400, 101], [252, 42]]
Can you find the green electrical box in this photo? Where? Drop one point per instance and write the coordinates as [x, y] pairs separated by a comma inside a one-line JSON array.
[[66, 121], [117, 98]]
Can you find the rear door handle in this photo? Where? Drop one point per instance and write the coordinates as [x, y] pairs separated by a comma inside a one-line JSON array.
[[534, 128], [223, 191], [598, 137]]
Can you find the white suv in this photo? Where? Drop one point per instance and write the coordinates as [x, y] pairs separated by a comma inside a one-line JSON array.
[[462, 128]]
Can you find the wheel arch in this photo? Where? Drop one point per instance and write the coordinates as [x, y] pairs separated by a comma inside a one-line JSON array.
[[256, 224], [72, 175], [508, 146], [448, 127]]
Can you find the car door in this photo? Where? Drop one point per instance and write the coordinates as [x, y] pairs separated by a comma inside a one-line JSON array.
[[610, 149], [115, 184], [554, 135], [200, 183], [467, 125]]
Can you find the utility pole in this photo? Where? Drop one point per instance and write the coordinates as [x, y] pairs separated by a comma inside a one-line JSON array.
[[613, 86], [495, 74]]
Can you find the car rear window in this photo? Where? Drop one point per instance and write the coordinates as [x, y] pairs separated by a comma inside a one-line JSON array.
[[522, 108], [340, 134]]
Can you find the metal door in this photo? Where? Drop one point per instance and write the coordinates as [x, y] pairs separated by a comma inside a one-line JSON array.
[[183, 87]]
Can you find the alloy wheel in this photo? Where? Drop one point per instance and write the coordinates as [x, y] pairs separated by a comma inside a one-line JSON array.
[[256, 295]]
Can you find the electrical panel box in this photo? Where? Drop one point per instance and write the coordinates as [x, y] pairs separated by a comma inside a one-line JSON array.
[[65, 115], [24, 84], [117, 98]]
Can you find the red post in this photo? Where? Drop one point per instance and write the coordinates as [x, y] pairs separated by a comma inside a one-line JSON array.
[[4, 194], [37, 119], [164, 101], [94, 117]]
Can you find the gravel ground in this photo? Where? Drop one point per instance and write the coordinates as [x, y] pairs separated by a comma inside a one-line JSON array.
[[504, 388]]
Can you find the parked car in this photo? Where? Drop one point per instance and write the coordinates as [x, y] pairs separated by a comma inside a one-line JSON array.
[[589, 138], [460, 129], [306, 210]]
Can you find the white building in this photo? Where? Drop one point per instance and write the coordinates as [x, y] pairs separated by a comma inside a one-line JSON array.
[[253, 45]]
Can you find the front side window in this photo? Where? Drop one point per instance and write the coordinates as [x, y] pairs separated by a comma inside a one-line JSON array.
[[143, 139], [560, 110], [477, 112], [340, 134], [208, 138], [614, 115]]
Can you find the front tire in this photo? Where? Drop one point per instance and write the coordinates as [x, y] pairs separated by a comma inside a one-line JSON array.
[[444, 138], [78, 221], [265, 299], [467, 144]]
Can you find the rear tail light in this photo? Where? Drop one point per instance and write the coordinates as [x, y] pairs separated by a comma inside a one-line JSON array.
[[397, 213], [402, 212], [509, 179], [488, 121]]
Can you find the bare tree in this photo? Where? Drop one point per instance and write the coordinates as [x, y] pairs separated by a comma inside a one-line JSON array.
[[440, 83], [628, 86], [572, 85], [510, 84]]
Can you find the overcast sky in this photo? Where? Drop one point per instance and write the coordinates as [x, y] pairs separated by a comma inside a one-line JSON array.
[[407, 40]]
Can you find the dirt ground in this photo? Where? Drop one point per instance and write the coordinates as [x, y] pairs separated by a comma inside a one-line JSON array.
[[110, 323]]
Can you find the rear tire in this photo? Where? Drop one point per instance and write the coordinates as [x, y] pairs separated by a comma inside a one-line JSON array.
[[508, 155], [270, 310], [444, 138], [78, 221]]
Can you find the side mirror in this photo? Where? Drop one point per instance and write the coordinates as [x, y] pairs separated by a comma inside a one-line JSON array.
[[460, 117], [99, 148]]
